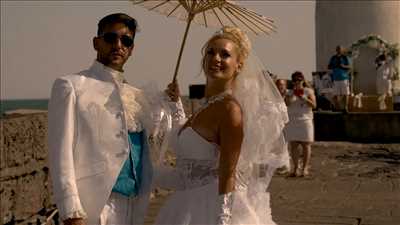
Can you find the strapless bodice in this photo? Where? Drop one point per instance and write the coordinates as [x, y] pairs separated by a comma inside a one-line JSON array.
[[197, 159], [193, 146]]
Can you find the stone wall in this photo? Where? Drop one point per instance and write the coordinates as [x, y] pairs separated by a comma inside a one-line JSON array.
[[373, 127], [24, 185]]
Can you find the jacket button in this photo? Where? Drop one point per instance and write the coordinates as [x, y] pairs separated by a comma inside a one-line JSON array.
[[121, 154], [120, 134], [118, 115]]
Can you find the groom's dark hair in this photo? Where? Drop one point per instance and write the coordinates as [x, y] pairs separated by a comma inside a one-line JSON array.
[[130, 22]]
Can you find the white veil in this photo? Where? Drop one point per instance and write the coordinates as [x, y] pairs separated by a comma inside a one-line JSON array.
[[265, 115]]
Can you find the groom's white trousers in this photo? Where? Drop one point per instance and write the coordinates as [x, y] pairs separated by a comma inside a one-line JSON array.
[[119, 210]]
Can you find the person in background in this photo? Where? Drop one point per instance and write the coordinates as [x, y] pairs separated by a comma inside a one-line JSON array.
[[339, 64], [385, 71], [323, 90], [281, 84], [300, 129]]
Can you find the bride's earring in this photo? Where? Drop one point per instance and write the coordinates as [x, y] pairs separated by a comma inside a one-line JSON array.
[[238, 69], [237, 72]]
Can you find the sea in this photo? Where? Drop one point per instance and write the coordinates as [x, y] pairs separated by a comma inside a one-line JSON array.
[[41, 104], [14, 104]]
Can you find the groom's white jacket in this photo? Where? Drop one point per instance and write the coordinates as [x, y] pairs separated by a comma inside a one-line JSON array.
[[88, 144]]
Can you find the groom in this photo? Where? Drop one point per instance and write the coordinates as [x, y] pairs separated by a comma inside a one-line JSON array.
[[98, 150]]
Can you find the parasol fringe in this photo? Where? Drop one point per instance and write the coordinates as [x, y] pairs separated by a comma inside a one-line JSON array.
[[216, 15], [244, 23], [162, 3], [235, 10], [177, 6], [227, 16], [205, 19], [267, 23]]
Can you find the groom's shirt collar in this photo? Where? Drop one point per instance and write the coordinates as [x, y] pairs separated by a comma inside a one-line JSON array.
[[106, 73]]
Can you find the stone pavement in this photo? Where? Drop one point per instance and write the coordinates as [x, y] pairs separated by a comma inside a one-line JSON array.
[[350, 184]]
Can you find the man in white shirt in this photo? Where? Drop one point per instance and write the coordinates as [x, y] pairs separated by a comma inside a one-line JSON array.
[[99, 155]]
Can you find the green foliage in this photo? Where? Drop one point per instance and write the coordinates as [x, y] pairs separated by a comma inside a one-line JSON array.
[[382, 45], [376, 42]]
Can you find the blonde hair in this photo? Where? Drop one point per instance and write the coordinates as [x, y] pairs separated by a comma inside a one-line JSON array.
[[237, 36]]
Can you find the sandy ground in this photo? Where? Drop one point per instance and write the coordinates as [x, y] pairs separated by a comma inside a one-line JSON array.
[[350, 184]]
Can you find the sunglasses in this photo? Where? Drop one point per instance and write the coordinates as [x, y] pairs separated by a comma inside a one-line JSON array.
[[112, 37], [294, 80]]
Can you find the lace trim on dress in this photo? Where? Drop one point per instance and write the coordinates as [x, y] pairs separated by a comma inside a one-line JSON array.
[[196, 173]]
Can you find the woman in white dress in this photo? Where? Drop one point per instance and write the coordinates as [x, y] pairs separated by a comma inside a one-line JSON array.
[[222, 146], [384, 70], [300, 129]]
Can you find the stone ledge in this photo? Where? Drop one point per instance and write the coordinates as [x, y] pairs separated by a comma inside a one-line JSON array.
[[25, 188], [27, 169], [357, 127]]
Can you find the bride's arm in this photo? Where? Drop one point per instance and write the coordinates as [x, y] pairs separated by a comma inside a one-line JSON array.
[[177, 110], [167, 176], [231, 136]]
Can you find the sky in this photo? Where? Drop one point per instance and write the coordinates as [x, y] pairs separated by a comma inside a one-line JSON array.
[[43, 40]]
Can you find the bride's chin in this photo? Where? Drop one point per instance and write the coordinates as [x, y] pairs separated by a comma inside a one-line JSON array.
[[215, 75]]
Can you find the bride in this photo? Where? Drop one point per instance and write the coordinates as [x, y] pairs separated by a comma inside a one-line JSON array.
[[227, 151]]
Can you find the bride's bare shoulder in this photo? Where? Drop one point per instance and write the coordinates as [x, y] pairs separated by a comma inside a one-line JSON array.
[[230, 103], [230, 111]]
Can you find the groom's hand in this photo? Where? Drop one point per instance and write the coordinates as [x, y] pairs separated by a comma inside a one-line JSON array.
[[75, 221], [173, 91]]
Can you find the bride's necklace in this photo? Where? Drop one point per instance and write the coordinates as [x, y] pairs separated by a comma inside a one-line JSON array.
[[205, 103], [208, 101]]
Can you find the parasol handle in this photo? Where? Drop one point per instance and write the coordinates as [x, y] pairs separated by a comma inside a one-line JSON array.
[[190, 18]]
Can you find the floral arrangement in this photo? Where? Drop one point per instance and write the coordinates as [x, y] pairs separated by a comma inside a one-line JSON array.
[[376, 42]]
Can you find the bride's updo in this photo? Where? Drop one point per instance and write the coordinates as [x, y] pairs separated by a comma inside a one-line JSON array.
[[237, 36]]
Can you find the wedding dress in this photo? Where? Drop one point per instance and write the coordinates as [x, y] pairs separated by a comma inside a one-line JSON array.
[[195, 201]]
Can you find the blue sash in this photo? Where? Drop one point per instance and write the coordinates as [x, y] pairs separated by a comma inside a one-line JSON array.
[[128, 181]]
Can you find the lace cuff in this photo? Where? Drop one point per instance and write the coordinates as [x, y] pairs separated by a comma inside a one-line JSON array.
[[74, 215], [225, 203], [70, 207], [178, 113]]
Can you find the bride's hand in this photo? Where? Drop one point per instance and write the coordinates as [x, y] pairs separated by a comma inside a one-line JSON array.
[[173, 91]]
